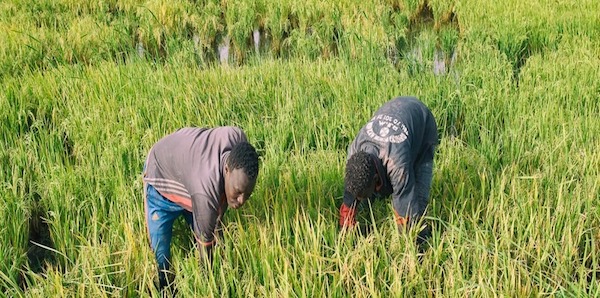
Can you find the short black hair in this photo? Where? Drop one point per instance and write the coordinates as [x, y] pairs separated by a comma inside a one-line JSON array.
[[360, 170], [243, 156]]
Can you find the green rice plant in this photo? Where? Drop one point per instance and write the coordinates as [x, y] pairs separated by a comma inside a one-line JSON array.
[[128, 7], [240, 20], [443, 11], [319, 29], [160, 21], [19, 191], [567, 67], [485, 90], [518, 35], [410, 7], [575, 19], [455, 197], [362, 36], [515, 180], [208, 27], [46, 14], [22, 49], [13, 253], [88, 41], [279, 21]]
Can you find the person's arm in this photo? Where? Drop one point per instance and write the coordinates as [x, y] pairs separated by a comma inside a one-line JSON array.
[[206, 215], [219, 227], [404, 197]]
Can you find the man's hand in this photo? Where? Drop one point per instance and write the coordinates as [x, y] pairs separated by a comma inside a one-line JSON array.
[[206, 253], [347, 216]]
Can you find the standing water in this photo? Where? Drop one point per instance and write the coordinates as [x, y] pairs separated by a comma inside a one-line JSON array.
[[439, 62], [256, 37], [140, 49], [224, 50], [443, 62]]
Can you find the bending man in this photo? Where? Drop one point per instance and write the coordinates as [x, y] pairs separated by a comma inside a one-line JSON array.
[[392, 155], [195, 173]]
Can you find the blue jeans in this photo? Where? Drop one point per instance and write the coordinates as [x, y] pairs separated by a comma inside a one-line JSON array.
[[160, 216]]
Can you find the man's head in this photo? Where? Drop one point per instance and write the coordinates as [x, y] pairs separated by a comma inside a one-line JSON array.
[[241, 170], [361, 175]]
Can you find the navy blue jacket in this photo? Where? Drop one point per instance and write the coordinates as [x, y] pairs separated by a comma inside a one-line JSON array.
[[401, 135]]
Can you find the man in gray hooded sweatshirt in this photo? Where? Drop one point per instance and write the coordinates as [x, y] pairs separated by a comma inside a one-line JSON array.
[[195, 173]]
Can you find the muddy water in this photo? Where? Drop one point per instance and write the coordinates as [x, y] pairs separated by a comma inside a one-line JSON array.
[[417, 54], [256, 39], [140, 49], [223, 49]]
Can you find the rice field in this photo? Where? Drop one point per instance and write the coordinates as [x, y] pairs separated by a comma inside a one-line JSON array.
[[89, 86]]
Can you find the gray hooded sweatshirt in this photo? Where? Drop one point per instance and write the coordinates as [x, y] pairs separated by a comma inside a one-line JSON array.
[[187, 168]]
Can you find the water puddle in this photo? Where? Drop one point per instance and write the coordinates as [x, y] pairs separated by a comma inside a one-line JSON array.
[[428, 46], [443, 62], [140, 49], [223, 50], [439, 63], [256, 39]]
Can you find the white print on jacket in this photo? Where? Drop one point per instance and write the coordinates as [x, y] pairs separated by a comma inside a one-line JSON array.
[[386, 129]]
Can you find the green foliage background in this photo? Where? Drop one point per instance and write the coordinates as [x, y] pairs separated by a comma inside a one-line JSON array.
[[89, 86]]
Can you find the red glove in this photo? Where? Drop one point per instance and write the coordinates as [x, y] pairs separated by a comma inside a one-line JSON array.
[[347, 216], [401, 221]]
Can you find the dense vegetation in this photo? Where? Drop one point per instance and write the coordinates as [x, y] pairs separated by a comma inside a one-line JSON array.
[[89, 86]]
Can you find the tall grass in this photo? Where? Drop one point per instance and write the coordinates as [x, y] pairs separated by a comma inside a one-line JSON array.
[[89, 87]]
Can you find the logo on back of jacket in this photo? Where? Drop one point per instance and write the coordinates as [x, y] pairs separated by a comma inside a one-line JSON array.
[[386, 129]]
